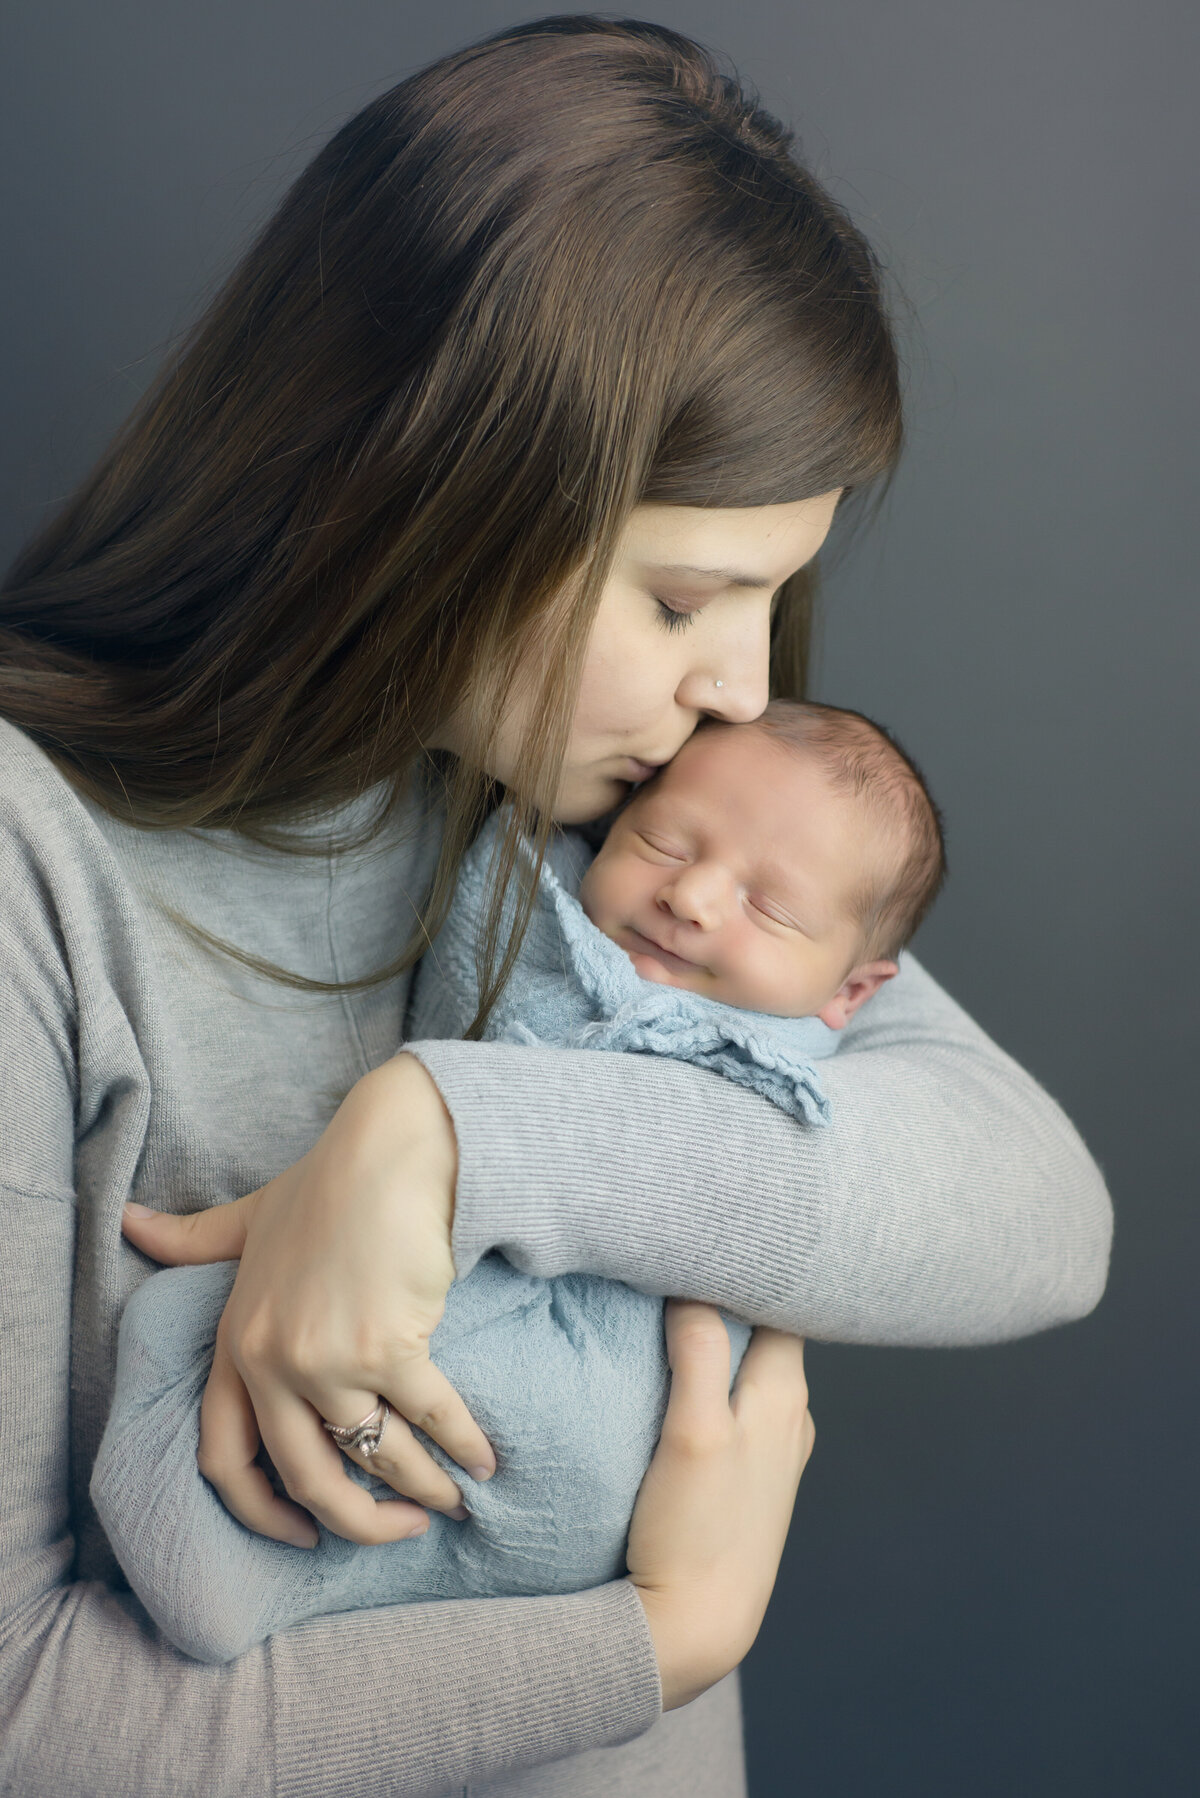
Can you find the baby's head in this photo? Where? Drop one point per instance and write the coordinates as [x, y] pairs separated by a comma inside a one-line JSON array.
[[778, 866]]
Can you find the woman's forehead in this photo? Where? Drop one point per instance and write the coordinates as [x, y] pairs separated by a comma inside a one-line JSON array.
[[749, 546]]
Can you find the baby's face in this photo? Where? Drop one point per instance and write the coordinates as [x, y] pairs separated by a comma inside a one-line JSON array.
[[732, 875]]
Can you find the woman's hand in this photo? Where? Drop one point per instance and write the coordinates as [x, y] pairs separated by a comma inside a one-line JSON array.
[[713, 1511], [345, 1265]]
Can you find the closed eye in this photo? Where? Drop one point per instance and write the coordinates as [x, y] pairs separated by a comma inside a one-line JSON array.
[[672, 618], [766, 910], [673, 854]]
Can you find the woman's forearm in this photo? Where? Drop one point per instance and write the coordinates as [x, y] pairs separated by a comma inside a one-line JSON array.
[[421, 1700], [949, 1202]]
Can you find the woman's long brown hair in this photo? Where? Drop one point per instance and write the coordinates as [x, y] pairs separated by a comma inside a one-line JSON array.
[[570, 268]]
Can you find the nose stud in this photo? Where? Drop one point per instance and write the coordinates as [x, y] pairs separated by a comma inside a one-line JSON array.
[[718, 683]]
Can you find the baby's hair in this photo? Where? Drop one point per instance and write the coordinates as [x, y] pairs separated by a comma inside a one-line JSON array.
[[863, 759]]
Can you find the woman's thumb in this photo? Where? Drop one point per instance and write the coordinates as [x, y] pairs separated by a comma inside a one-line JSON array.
[[218, 1234]]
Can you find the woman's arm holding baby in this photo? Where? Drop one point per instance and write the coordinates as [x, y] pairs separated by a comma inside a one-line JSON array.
[[949, 1202]]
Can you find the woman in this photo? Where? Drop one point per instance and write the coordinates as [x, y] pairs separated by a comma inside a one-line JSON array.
[[417, 516]]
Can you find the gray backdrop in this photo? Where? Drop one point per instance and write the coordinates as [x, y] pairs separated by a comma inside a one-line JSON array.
[[991, 1582]]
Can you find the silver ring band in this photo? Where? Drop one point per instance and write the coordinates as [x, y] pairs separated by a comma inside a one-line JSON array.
[[364, 1436]]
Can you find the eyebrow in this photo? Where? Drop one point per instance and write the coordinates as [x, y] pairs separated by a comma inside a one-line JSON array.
[[730, 575]]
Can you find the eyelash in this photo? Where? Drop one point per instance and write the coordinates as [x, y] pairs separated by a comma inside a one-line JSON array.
[[670, 619], [674, 854]]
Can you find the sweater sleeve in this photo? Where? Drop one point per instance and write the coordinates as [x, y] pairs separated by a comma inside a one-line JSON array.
[[949, 1201], [417, 1699]]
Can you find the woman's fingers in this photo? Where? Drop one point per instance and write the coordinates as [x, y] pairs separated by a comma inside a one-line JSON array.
[[229, 1442], [772, 1388], [218, 1234], [698, 1353], [420, 1396], [405, 1465], [313, 1470], [425, 1397], [713, 1511], [772, 1372]]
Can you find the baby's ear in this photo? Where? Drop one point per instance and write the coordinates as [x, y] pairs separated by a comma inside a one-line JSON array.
[[858, 986]]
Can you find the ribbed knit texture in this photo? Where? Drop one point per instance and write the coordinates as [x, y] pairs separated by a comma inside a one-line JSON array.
[[591, 1667], [949, 1201]]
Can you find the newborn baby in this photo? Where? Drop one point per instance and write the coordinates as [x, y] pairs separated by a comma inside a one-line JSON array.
[[745, 903], [767, 867]]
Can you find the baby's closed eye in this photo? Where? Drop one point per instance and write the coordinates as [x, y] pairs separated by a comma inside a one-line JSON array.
[[767, 908], [671, 851]]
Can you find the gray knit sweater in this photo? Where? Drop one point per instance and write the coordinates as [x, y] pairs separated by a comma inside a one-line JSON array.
[[949, 1202]]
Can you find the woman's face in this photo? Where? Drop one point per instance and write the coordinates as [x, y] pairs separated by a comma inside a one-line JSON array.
[[682, 632]]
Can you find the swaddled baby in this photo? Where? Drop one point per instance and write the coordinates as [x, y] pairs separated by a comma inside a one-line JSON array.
[[744, 904]]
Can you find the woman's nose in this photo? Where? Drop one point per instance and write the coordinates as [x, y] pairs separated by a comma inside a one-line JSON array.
[[695, 896], [731, 677]]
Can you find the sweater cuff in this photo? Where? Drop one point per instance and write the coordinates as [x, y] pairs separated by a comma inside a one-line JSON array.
[[517, 1158], [546, 1678]]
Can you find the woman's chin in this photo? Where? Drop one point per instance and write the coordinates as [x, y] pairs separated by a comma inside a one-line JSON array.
[[583, 798]]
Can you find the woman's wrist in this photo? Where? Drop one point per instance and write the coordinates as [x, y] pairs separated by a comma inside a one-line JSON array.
[[398, 1109], [679, 1673], [691, 1655]]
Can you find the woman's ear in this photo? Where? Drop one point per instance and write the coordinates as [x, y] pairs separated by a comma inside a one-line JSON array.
[[858, 986]]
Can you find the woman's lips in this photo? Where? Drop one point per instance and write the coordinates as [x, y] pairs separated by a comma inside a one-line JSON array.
[[639, 771]]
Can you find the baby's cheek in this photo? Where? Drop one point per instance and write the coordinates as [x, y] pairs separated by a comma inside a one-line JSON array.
[[746, 975], [776, 980], [600, 892], [588, 895]]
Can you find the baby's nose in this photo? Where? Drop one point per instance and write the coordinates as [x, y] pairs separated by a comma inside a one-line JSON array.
[[694, 897]]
